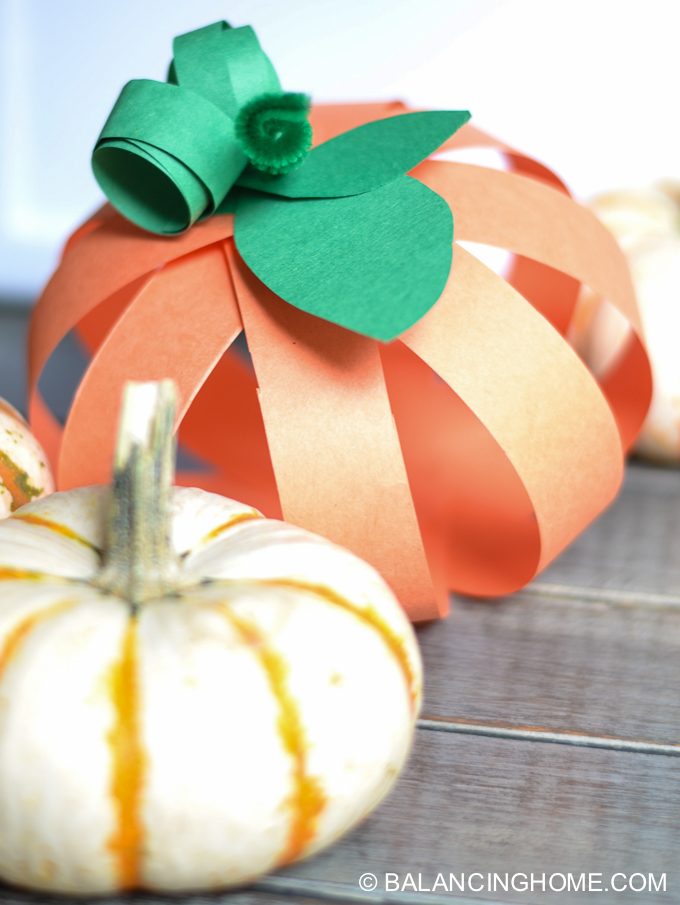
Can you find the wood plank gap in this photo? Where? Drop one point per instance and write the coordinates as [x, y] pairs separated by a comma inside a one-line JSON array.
[[546, 735], [336, 892], [632, 598]]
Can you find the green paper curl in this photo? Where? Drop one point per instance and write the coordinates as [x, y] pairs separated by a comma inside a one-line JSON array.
[[148, 161], [149, 164], [225, 65], [345, 235]]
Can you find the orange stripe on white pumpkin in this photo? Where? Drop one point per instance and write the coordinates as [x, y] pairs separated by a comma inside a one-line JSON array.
[[10, 573], [18, 634], [214, 533], [42, 522], [307, 800], [17, 482], [128, 763], [369, 616]]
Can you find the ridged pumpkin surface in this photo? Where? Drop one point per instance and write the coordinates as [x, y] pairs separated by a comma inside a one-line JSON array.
[[24, 472], [242, 721]]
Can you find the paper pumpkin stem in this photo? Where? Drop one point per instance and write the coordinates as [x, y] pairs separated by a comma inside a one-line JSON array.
[[274, 131], [138, 562]]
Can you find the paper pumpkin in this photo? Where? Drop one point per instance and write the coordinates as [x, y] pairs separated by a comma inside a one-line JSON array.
[[464, 454], [168, 662], [645, 222], [24, 472]]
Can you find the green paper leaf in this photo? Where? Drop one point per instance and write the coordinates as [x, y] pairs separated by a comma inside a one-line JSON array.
[[364, 158], [374, 263]]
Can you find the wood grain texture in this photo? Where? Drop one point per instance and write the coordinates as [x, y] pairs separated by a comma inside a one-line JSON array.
[[485, 804], [240, 897], [633, 549], [599, 668]]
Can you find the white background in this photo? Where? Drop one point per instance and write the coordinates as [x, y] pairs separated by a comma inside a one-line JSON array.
[[589, 87]]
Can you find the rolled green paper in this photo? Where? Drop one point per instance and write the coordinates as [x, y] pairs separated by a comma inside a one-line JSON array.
[[168, 154]]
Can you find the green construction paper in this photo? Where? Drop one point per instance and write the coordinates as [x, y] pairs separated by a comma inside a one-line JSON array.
[[364, 158], [374, 263], [155, 192], [224, 65], [149, 163], [345, 236], [250, 69]]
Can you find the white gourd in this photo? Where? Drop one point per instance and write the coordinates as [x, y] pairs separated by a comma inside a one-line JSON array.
[[190, 694], [24, 472]]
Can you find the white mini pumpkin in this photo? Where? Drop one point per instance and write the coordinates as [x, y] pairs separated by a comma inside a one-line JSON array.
[[24, 472], [646, 222], [187, 712]]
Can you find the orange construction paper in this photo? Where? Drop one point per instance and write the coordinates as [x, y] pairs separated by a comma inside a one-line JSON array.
[[100, 263], [315, 379], [510, 211], [233, 445], [464, 455], [532, 394], [169, 327]]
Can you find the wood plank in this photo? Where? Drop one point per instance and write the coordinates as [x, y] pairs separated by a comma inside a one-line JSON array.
[[598, 668], [240, 897], [494, 805], [633, 548]]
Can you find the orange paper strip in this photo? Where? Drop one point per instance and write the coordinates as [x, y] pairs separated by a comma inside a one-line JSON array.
[[169, 327], [534, 396], [554, 293], [344, 484], [99, 264], [510, 211], [233, 445]]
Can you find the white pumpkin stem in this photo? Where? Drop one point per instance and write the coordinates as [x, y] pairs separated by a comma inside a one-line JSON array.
[[138, 560]]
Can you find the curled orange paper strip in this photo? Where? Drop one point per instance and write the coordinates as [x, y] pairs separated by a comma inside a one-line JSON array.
[[463, 456]]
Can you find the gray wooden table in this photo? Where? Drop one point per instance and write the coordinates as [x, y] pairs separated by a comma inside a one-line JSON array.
[[550, 734]]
